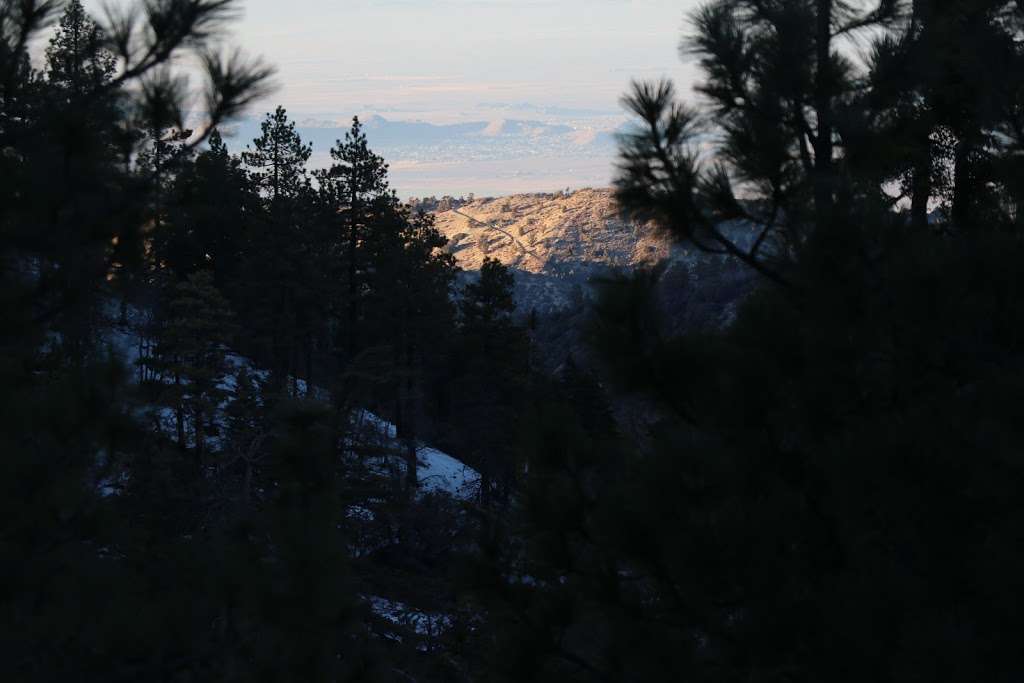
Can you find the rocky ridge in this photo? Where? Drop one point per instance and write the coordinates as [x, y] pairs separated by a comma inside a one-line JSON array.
[[558, 243], [550, 233]]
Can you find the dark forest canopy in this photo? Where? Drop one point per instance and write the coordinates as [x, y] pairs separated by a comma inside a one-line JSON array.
[[199, 349]]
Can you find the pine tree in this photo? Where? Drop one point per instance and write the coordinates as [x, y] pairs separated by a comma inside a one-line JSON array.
[[189, 357], [356, 187], [489, 302], [212, 208], [800, 472], [933, 116], [775, 79], [278, 160], [68, 153], [247, 432], [302, 617], [281, 299], [406, 314], [489, 384], [960, 50], [74, 446], [77, 59]]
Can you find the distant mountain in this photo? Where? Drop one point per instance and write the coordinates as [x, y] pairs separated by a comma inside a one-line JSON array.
[[557, 244], [402, 138], [550, 110], [552, 234]]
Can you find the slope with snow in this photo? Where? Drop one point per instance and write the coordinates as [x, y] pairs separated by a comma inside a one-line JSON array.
[[437, 471]]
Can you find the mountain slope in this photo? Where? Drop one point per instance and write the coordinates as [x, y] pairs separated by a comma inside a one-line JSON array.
[[558, 243], [555, 243], [550, 233]]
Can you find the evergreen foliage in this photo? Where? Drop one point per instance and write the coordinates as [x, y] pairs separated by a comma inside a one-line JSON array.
[[825, 488], [278, 160], [356, 190], [76, 59], [212, 212], [189, 356], [280, 288], [488, 389]]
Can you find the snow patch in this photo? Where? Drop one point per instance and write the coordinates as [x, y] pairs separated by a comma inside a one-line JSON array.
[[400, 614], [441, 472], [436, 472]]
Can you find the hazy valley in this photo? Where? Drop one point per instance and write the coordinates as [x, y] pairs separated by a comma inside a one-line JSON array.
[[497, 155]]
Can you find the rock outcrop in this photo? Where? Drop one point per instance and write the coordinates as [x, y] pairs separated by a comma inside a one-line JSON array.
[[557, 244]]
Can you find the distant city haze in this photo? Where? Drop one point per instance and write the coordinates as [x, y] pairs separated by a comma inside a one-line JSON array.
[[505, 64]]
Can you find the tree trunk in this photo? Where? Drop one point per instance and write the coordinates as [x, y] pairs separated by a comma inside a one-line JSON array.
[[247, 485], [179, 414], [143, 355], [485, 483], [353, 289], [279, 359], [962, 185], [308, 351], [823, 176], [293, 365], [410, 410], [921, 182], [411, 466], [200, 437]]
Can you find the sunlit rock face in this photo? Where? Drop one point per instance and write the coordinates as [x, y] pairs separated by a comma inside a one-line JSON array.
[[556, 243], [550, 233], [559, 243]]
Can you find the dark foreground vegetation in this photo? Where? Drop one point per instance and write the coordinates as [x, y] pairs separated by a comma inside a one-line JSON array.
[[828, 489]]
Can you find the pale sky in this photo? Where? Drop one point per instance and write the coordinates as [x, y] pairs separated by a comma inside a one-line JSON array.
[[447, 56], [563, 62]]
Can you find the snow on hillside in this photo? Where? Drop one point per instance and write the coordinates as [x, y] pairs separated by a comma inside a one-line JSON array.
[[426, 624], [441, 472], [437, 472]]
